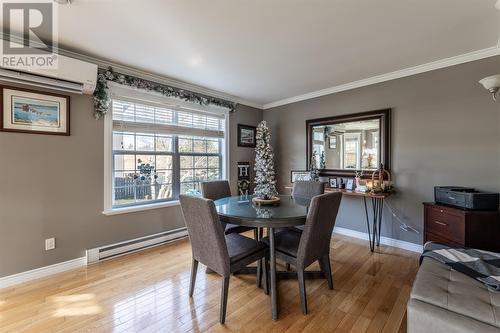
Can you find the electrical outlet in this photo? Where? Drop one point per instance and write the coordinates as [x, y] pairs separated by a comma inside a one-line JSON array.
[[50, 244]]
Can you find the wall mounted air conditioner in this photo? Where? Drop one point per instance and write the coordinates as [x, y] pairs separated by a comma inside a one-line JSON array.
[[71, 75]]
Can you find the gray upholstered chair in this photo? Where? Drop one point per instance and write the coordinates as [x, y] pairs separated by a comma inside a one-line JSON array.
[[223, 254], [313, 244], [306, 190], [218, 189]]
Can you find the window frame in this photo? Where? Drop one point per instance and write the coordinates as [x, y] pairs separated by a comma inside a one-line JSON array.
[[141, 97]]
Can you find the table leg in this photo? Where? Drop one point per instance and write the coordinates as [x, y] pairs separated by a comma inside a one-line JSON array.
[[376, 221], [274, 289], [372, 245], [380, 212], [375, 203]]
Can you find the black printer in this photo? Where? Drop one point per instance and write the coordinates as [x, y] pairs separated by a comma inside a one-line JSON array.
[[466, 198]]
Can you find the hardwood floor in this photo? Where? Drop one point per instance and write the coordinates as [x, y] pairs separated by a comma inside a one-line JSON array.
[[148, 292]]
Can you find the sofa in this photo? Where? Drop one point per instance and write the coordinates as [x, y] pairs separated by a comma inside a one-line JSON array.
[[444, 300]]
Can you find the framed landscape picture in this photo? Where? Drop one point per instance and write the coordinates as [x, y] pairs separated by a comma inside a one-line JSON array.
[[246, 136], [29, 111]]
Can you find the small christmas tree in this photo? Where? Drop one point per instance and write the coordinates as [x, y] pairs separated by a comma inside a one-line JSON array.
[[265, 177], [313, 168]]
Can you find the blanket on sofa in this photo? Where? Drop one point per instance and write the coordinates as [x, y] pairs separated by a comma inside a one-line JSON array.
[[481, 265]]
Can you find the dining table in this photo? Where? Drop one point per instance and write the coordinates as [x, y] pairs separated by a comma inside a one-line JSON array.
[[289, 212]]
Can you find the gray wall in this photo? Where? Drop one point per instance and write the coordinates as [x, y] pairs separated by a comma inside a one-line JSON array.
[[446, 130], [53, 187], [245, 115]]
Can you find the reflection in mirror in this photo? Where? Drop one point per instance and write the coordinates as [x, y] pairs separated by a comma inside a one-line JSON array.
[[352, 145]]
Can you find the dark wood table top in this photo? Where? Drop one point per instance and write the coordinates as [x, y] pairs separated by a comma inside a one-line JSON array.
[[380, 195], [241, 210]]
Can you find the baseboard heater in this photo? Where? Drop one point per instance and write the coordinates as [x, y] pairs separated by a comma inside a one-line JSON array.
[[134, 245]]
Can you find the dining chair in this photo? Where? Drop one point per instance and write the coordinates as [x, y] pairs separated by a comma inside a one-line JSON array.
[[218, 189], [313, 244], [223, 254], [306, 190]]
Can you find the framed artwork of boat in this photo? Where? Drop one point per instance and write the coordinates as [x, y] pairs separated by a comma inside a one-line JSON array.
[[35, 112]]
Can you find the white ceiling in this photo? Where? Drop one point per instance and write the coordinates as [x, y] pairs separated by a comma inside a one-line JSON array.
[[268, 50]]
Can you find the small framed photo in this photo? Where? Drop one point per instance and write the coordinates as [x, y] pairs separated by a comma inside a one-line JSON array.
[[299, 175], [333, 182], [350, 185], [29, 111], [333, 142], [246, 136]]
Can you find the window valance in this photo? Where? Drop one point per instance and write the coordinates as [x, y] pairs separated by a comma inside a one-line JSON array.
[[102, 100]]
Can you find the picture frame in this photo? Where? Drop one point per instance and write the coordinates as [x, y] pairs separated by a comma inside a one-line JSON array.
[[299, 175], [247, 136], [34, 112], [333, 182], [350, 184], [333, 142]]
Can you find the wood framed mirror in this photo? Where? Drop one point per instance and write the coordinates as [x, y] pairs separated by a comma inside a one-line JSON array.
[[349, 143]]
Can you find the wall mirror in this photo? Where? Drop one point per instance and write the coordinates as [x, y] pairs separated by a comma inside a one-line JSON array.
[[348, 143]]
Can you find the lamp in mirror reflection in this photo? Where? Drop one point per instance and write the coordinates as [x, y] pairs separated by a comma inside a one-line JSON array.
[[492, 84]]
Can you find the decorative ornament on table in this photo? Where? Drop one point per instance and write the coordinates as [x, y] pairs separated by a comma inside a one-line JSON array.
[[313, 168], [265, 176], [379, 181], [360, 182]]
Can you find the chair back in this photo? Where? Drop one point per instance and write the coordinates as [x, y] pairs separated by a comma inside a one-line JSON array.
[[315, 239], [307, 189], [216, 189], [205, 233]]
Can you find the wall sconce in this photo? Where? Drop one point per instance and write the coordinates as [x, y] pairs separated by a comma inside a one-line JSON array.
[[492, 84]]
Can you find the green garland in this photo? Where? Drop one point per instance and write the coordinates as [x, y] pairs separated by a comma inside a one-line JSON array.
[[102, 101]]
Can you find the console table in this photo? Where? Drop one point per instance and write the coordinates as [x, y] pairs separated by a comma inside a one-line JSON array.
[[377, 200]]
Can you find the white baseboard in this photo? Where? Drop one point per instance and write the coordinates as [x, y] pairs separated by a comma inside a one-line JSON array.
[[41, 272], [383, 240]]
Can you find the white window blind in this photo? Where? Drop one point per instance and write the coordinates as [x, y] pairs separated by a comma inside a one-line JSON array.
[[134, 117]]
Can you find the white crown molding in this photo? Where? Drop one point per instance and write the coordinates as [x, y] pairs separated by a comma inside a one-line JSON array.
[[383, 240], [443, 63], [438, 64], [41, 272]]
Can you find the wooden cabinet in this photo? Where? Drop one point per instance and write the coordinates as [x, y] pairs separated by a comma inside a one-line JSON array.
[[454, 226]]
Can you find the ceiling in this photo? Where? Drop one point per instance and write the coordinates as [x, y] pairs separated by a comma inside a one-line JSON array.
[[264, 51]]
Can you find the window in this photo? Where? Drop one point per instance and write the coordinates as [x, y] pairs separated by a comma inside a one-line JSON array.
[[161, 151], [352, 151]]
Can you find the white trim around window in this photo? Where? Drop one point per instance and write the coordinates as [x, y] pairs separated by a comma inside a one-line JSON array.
[[137, 96]]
